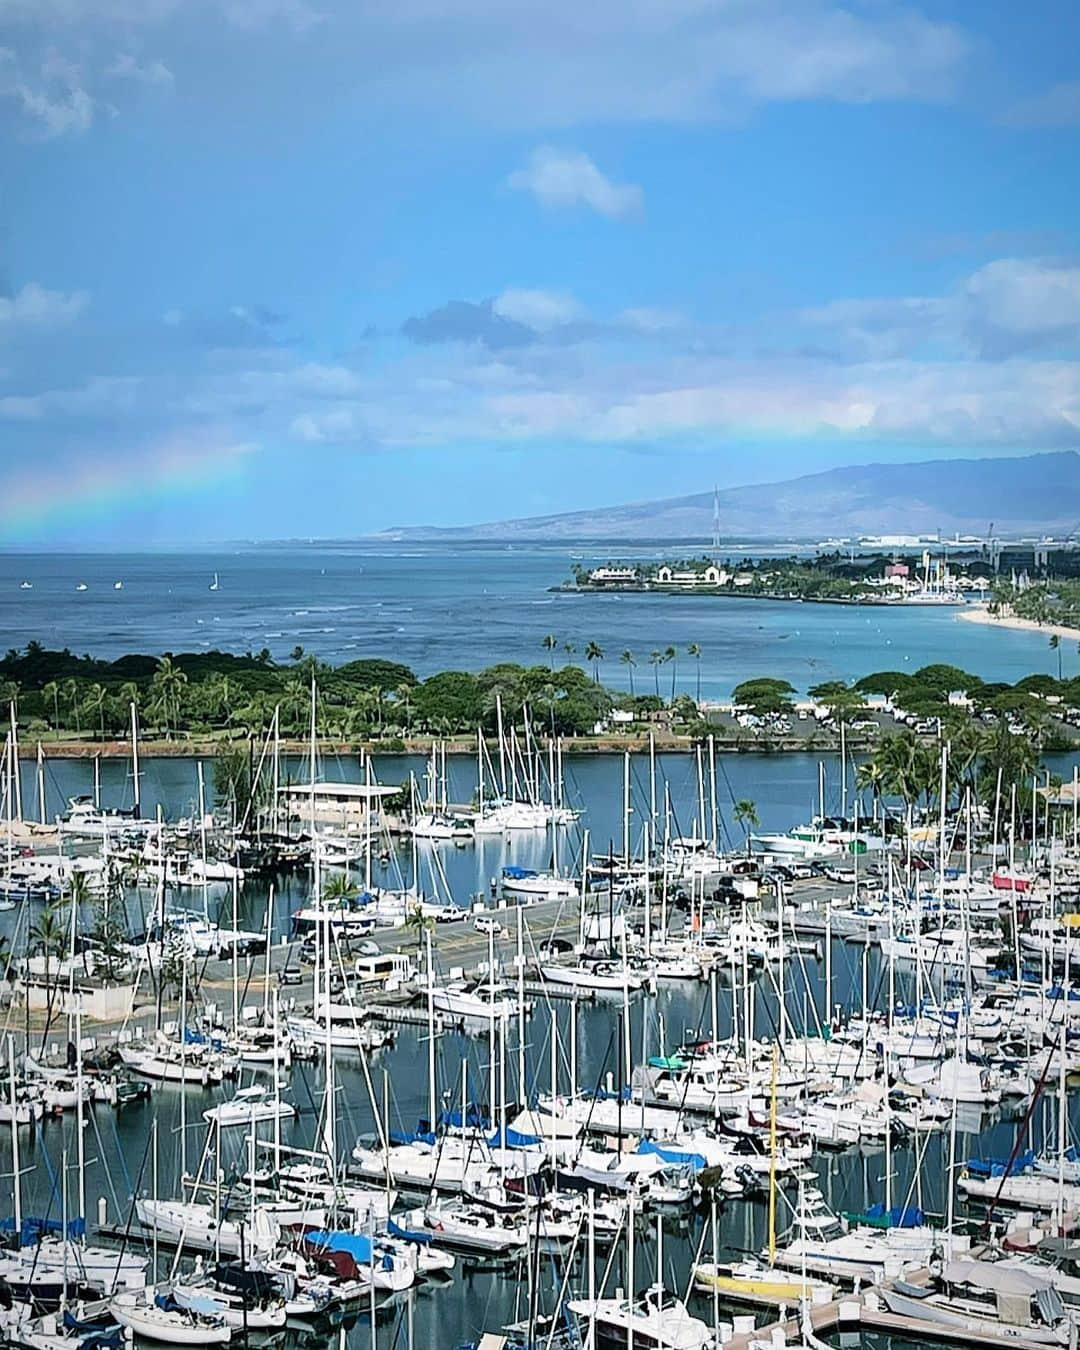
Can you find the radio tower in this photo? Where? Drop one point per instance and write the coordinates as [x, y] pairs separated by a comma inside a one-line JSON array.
[[716, 524]]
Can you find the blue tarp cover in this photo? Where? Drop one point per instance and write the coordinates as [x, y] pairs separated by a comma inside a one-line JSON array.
[[900, 1216], [679, 1157], [508, 1138], [474, 1119], [516, 873], [353, 1244], [995, 1167], [35, 1227], [414, 1137]]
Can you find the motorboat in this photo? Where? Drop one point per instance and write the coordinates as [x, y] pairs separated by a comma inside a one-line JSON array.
[[249, 1106], [655, 1320]]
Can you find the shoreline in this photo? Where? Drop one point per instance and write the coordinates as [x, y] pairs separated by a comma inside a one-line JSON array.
[[980, 614], [664, 743]]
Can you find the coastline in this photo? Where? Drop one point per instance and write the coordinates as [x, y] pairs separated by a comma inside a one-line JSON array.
[[980, 614]]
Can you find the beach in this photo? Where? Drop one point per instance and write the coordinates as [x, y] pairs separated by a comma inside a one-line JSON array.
[[980, 614]]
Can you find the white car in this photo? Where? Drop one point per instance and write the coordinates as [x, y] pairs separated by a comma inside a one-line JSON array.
[[368, 948], [487, 923]]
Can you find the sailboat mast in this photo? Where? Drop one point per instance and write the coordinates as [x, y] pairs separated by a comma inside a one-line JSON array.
[[135, 758]]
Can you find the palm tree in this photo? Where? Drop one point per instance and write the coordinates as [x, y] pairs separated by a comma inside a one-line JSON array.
[[48, 931], [50, 692], [744, 812], [1055, 646], [549, 642], [627, 658], [594, 654], [403, 694], [71, 693], [869, 775], [168, 686], [419, 922], [340, 886], [130, 693], [694, 650], [569, 649], [96, 701], [670, 654], [655, 660]]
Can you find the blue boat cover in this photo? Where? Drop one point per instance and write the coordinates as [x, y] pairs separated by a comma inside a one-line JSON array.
[[407, 1234], [355, 1244], [678, 1157], [517, 873], [412, 1137], [508, 1138], [352, 1244], [474, 1119], [997, 1167], [900, 1216], [34, 1227]]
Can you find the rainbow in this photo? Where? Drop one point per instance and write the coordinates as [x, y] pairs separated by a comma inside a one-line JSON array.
[[35, 501]]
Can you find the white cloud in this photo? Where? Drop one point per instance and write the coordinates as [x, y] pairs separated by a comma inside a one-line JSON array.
[[562, 178], [154, 73], [1008, 306], [35, 307], [1024, 298], [650, 319], [539, 310], [538, 64], [49, 93]]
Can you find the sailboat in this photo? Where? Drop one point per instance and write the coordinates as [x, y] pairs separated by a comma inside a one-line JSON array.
[[118, 585], [215, 584]]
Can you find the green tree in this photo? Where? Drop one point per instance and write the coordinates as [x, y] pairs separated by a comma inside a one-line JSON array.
[[167, 688], [549, 642], [71, 693], [656, 660], [416, 921], [95, 702], [843, 703], [627, 658], [744, 813], [694, 651], [763, 696], [594, 654], [50, 692], [671, 656], [1055, 646]]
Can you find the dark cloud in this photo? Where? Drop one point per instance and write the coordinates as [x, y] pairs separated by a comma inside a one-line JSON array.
[[462, 321]]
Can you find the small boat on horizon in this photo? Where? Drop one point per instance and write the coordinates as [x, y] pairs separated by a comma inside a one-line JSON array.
[[82, 586], [215, 584], [27, 586], [118, 585]]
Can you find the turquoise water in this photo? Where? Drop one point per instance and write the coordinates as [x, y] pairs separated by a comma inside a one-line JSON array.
[[440, 606]]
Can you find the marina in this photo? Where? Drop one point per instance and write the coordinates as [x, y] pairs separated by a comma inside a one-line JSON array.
[[696, 1048]]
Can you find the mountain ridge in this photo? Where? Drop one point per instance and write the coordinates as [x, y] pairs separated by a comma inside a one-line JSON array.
[[1017, 493]]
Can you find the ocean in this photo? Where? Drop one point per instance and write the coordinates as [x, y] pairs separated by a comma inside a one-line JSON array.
[[442, 606]]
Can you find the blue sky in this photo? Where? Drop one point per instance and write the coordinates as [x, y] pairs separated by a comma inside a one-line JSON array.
[[287, 268]]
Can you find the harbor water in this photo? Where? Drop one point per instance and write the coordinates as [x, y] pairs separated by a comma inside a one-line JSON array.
[[122, 1160]]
